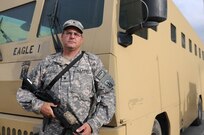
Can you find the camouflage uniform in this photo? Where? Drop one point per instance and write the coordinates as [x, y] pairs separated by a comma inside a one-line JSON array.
[[75, 87]]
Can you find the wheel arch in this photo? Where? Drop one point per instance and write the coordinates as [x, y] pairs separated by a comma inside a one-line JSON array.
[[164, 123]]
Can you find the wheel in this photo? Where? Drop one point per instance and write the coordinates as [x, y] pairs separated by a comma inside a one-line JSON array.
[[198, 120], [156, 130]]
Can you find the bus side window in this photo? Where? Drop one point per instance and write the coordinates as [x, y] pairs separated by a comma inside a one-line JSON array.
[[15, 23]]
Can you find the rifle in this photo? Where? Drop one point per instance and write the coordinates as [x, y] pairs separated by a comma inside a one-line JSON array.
[[67, 119]]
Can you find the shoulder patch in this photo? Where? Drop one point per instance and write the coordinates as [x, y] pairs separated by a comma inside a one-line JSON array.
[[100, 74], [105, 79]]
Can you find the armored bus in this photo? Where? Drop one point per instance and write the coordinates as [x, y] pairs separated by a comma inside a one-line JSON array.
[[157, 65]]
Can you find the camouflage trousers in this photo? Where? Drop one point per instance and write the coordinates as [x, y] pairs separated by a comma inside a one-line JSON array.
[[68, 132], [64, 132]]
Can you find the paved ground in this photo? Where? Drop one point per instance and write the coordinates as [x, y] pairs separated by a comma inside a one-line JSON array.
[[195, 130]]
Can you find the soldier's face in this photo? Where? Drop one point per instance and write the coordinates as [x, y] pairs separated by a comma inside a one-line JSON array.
[[72, 39]]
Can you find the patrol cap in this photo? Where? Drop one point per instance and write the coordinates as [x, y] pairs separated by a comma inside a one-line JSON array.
[[73, 23]]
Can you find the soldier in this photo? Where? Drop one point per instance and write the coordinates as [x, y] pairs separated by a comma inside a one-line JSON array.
[[75, 88]]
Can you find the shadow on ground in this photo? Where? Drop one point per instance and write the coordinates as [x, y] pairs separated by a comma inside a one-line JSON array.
[[194, 130]]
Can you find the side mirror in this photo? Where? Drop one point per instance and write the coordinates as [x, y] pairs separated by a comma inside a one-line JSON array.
[[153, 12], [124, 39]]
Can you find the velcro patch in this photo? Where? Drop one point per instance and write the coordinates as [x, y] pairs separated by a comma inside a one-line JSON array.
[[101, 74], [105, 79]]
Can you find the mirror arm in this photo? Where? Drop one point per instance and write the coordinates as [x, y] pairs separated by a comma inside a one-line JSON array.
[[147, 24], [125, 38]]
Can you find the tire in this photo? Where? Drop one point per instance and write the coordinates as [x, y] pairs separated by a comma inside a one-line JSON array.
[[198, 120], [156, 130]]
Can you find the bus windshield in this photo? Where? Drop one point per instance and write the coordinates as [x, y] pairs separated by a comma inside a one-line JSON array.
[[15, 23], [89, 12]]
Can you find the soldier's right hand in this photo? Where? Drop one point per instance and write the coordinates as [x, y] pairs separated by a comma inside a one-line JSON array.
[[46, 110]]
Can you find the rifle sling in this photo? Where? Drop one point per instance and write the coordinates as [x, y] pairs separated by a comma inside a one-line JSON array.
[[64, 71]]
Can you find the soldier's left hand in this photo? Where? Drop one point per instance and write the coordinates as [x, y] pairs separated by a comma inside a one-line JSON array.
[[85, 129]]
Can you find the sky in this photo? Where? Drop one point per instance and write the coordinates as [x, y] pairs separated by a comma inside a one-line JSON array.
[[193, 11]]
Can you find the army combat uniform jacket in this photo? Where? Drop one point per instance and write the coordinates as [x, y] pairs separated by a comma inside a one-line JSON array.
[[76, 88]]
